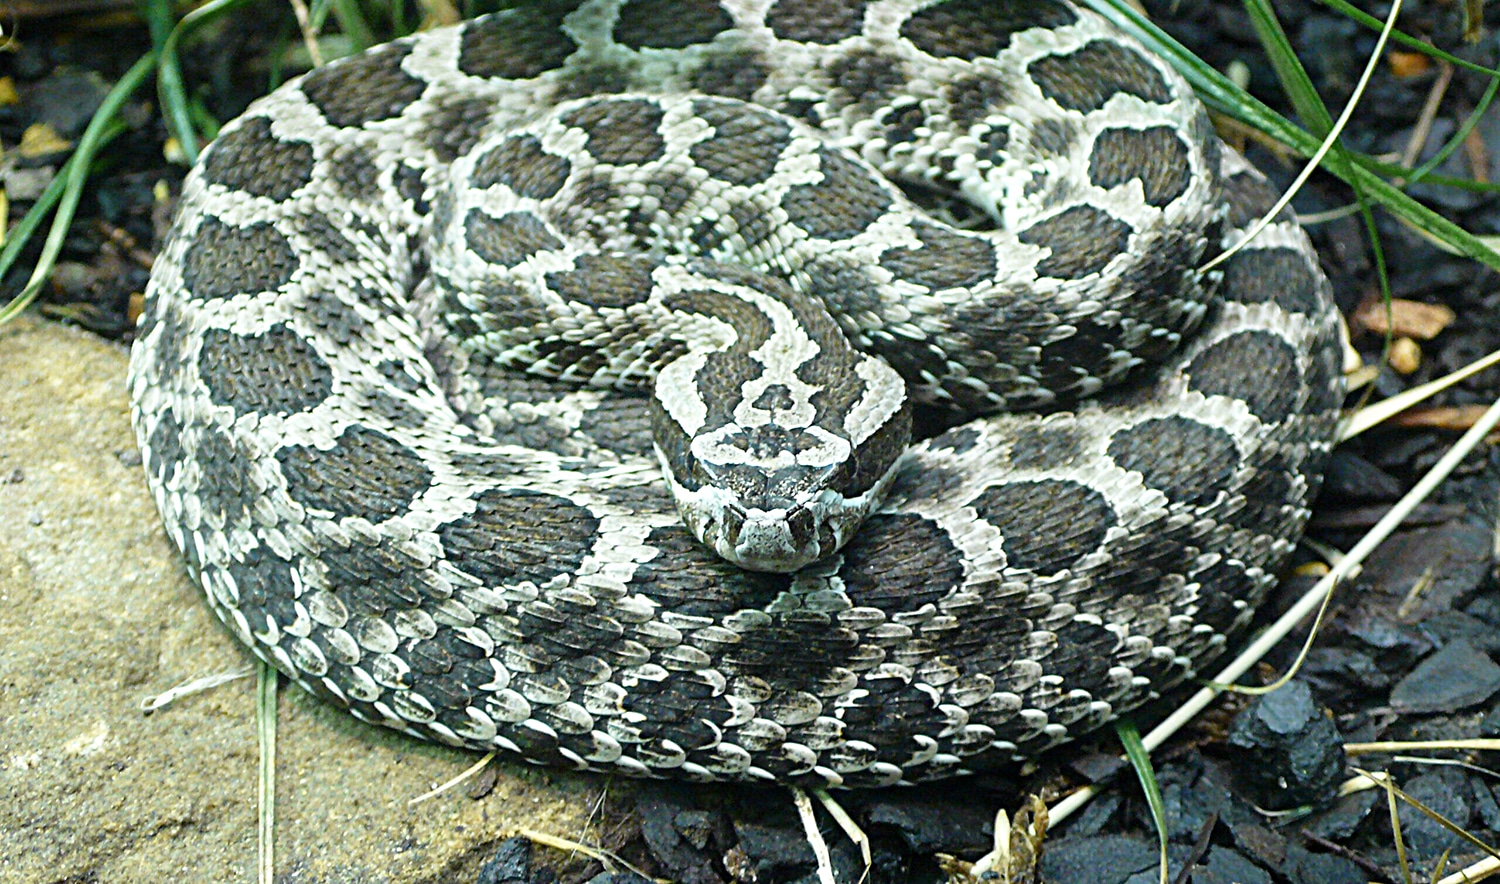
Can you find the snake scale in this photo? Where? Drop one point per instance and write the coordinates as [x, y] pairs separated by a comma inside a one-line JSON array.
[[433, 320]]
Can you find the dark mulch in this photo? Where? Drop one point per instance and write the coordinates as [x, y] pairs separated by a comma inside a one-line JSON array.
[[1408, 652]]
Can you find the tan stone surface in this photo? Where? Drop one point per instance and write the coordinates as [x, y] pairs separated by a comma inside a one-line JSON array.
[[96, 612]]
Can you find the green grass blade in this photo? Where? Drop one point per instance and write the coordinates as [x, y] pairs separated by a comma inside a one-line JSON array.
[[1460, 136], [169, 89], [1358, 15], [1396, 170], [1221, 94], [101, 128], [354, 25], [1140, 760], [18, 236], [176, 109], [1295, 82]]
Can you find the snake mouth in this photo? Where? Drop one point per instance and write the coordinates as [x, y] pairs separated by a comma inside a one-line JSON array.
[[778, 530], [779, 540]]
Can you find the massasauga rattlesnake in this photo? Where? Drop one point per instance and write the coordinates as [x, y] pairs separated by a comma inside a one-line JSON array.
[[394, 384]]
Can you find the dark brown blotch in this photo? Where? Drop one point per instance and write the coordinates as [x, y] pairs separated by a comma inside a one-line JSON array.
[[1156, 156], [745, 146], [1048, 524], [1189, 462], [620, 131], [225, 260], [1282, 276], [509, 239], [545, 537], [456, 125], [970, 29], [366, 474], [1254, 366], [946, 258], [867, 77], [973, 97], [1085, 79], [365, 88], [1083, 240], [517, 44], [732, 74], [604, 280], [274, 372], [843, 204], [670, 24], [252, 159], [816, 21], [899, 563], [520, 163]]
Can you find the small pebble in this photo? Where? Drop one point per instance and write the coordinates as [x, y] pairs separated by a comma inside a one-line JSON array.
[[510, 865], [1291, 751], [1405, 356], [1446, 792]]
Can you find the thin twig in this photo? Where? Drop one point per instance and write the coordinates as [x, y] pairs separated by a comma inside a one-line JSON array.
[[850, 827], [265, 718], [468, 772], [1423, 129], [814, 837], [1382, 411], [158, 702], [309, 38], [611, 861], [1419, 745]]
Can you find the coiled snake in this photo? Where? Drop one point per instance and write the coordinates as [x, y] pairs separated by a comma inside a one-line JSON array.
[[433, 319]]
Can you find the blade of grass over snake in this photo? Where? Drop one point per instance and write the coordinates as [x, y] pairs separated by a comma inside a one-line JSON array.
[[1329, 143], [100, 129], [1293, 77], [1223, 95]]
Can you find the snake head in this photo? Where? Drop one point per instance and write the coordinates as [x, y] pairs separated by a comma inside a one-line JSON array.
[[770, 493]]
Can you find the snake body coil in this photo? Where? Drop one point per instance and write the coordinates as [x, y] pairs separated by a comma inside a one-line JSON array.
[[433, 319]]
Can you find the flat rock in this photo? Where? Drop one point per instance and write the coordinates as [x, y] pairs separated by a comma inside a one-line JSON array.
[[1456, 677], [97, 612]]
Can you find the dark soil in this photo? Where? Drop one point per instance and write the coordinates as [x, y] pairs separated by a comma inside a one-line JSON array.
[[1409, 650]]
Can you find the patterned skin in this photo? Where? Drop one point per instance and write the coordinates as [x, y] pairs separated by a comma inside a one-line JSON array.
[[423, 309]]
